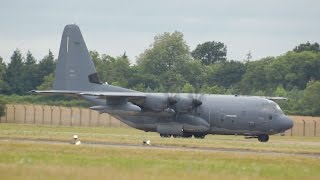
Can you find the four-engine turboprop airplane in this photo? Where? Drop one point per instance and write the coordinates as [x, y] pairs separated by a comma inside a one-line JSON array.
[[177, 115]]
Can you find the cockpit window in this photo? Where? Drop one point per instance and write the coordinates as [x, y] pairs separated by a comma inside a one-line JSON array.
[[278, 107], [273, 107]]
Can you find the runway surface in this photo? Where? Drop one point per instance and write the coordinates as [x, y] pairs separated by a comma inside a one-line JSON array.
[[180, 148]]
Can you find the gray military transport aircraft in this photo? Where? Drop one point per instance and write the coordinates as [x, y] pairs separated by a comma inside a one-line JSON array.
[[170, 114]]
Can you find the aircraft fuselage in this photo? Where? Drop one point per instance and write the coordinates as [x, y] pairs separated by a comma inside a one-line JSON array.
[[218, 114]]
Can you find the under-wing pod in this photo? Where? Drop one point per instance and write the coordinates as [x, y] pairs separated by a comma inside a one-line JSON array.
[[122, 109]]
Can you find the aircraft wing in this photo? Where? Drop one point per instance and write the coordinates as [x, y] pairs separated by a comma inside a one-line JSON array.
[[103, 95], [99, 94], [56, 92]]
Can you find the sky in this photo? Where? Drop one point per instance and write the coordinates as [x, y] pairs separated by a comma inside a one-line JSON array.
[[265, 28]]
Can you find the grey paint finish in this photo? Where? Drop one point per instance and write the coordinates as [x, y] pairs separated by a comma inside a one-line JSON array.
[[75, 65], [179, 114]]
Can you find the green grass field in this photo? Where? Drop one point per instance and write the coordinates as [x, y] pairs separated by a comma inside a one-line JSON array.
[[26, 160]]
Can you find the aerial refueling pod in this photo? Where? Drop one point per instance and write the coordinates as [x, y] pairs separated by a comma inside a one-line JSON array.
[[122, 109]]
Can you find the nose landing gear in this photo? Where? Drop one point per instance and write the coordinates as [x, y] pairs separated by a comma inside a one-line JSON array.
[[263, 137]]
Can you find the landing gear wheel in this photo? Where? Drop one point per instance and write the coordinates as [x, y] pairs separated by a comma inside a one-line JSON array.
[[263, 138], [165, 135], [199, 136], [176, 136], [187, 135]]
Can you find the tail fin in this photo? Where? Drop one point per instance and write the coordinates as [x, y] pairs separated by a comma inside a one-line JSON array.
[[75, 69]]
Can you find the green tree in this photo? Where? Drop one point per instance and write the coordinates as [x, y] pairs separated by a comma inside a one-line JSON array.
[[213, 90], [226, 74], [30, 73], [307, 47], [2, 107], [3, 84], [14, 77], [280, 91], [311, 99], [95, 58], [166, 60], [188, 88], [293, 70], [140, 79], [210, 52], [115, 71], [254, 78], [196, 74], [119, 70], [46, 66], [47, 83]]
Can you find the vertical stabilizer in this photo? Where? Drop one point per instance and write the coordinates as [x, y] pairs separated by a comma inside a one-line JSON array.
[[75, 69]]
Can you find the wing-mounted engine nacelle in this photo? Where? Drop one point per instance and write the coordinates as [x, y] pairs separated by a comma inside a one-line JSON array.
[[170, 129], [185, 124], [158, 103], [186, 104], [193, 124]]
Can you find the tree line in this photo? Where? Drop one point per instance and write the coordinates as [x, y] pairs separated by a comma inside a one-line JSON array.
[[169, 65]]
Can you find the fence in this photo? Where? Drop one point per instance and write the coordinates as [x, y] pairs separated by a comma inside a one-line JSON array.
[[64, 116], [56, 115], [304, 126]]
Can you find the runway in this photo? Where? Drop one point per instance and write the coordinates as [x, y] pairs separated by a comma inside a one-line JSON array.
[[178, 148]]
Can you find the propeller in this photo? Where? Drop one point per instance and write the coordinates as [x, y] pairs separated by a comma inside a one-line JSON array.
[[196, 100]]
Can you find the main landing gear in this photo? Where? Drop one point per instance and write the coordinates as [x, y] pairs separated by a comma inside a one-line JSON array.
[[185, 135]]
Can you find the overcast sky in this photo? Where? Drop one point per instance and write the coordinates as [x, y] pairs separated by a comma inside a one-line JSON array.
[[266, 28]]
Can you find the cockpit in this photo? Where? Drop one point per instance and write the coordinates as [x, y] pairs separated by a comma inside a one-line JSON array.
[[271, 107]]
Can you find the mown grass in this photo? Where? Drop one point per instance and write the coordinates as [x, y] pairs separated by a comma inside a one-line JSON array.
[[23, 160], [55, 161], [133, 136]]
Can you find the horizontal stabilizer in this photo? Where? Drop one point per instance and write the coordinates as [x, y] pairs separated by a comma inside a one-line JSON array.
[[274, 98]]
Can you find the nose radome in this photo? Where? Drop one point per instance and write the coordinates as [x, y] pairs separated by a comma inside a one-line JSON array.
[[287, 123]]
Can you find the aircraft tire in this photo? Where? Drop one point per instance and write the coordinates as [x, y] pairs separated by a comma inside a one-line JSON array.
[[263, 138], [165, 135], [199, 136], [186, 135], [176, 136]]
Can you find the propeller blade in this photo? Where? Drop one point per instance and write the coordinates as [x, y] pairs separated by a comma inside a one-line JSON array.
[[196, 102]]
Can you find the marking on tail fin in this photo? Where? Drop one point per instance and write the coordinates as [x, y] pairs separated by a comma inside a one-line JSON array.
[[94, 78], [67, 43]]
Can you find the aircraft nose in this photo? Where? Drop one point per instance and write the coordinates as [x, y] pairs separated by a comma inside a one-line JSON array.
[[286, 123]]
